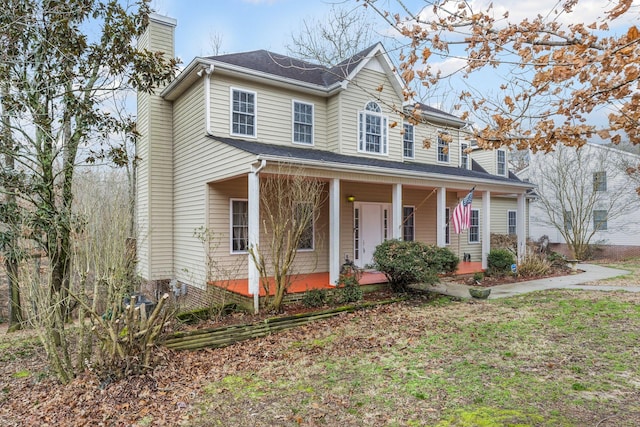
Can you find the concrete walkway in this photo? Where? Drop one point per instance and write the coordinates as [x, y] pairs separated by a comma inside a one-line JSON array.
[[590, 273]]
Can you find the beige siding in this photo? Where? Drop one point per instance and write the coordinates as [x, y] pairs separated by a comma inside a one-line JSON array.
[[425, 209], [334, 123], [274, 112], [353, 100], [499, 208], [488, 160], [155, 169], [234, 265], [198, 161]]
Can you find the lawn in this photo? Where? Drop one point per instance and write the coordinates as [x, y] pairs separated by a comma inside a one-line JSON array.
[[554, 358]]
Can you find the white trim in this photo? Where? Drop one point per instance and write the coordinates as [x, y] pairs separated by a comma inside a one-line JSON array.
[[334, 230], [467, 166], [515, 226], [442, 162], [506, 167], [362, 130], [313, 230], [474, 242], [413, 227], [413, 140], [293, 122], [447, 227], [255, 112], [231, 251]]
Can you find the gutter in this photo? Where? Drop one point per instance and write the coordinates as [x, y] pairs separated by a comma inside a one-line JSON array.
[[372, 170]]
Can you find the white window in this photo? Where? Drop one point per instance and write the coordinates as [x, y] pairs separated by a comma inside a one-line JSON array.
[[501, 156], [474, 229], [302, 123], [568, 220], [443, 150], [408, 141], [372, 130], [464, 157], [511, 222], [600, 181], [408, 229], [599, 220], [447, 235], [243, 113], [239, 225], [304, 212]]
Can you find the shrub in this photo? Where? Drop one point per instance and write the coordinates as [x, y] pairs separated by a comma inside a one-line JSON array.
[[405, 263], [315, 298], [477, 276], [348, 289], [557, 260], [534, 265], [499, 262]]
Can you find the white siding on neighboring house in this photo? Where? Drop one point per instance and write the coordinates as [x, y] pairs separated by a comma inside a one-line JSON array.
[[623, 230]]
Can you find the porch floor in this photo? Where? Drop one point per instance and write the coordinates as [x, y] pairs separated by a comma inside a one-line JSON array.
[[306, 282]]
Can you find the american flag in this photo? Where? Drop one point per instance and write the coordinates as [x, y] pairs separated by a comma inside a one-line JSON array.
[[462, 213]]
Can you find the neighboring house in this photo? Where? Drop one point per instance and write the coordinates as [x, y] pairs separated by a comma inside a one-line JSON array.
[[585, 191], [225, 121]]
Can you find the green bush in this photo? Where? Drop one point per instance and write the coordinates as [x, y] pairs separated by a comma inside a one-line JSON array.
[[405, 263], [348, 289], [315, 298], [499, 262]]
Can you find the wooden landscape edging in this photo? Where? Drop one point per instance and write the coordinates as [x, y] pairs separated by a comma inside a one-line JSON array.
[[227, 335]]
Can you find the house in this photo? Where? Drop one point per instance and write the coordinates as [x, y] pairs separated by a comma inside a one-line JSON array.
[[585, 195], [225, 122]]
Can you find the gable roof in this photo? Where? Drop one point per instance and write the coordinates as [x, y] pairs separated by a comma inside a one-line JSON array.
[[292, 68], [278, 69], [317, 157]]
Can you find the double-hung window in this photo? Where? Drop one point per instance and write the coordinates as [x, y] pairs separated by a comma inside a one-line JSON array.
[[464, 156], [511, 223], [501, 156], [474, 229], [302, 123], [408, 223], [408, 141], [372, 130], [599, 220], [600, 181], [304, 214], [239, 225], [447, 235], [243, 113], [443, 150]]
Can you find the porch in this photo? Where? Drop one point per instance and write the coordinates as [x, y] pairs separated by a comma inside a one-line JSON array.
[[306, 282]]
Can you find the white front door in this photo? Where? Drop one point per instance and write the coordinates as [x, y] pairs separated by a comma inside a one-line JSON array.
[[372, 221]]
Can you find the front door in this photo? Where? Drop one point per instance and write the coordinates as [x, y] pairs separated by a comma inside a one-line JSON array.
[[371, 224]]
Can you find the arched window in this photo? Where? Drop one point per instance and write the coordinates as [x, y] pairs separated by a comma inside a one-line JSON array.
[[372, 129]]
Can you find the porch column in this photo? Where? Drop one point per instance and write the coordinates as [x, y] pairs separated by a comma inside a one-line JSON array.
[[521, 227], [334, 230], [486, 226], [253, 224], [396, 208], [441, 204]]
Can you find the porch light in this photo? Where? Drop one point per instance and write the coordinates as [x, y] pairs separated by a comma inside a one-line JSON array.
[[351, 199]]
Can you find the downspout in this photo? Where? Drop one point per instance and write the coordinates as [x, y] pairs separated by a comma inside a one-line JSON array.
[[206, 71], [254, 230]]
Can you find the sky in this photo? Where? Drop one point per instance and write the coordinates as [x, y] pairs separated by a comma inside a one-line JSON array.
[[245, 25]]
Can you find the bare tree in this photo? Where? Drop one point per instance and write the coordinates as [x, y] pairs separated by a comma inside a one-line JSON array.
[[337, 36], [290, 205], [552, 71], [579, 191]]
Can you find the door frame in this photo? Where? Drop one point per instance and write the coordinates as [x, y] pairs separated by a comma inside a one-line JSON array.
[[386, 222]]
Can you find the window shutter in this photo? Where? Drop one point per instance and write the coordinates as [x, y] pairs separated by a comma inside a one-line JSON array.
[[361, 131], [384, 135]]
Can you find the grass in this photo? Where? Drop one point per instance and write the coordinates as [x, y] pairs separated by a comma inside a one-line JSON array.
[[556, 358]]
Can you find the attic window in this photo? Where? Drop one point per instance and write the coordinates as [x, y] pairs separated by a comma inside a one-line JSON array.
[[372, 130]]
